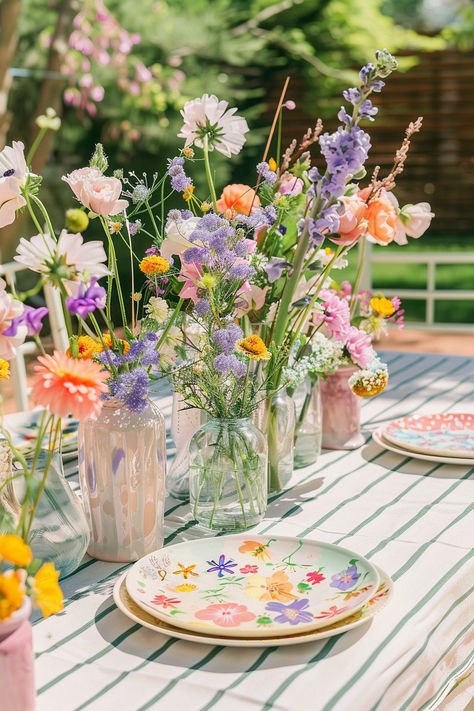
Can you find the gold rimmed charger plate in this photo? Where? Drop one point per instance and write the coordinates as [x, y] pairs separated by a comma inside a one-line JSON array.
[[135, 613]]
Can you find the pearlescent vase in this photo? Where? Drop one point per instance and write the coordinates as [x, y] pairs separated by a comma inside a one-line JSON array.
[[341, 412], [122, 467]]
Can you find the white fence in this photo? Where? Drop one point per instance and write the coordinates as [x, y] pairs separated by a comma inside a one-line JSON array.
[[431, 294]]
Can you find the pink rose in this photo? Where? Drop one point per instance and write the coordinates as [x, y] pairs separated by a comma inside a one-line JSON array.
[[359, 346], [352, 223], [290, 185], [97, 192]]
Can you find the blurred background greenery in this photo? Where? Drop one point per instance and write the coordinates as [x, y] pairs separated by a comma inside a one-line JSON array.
[[118, 71]]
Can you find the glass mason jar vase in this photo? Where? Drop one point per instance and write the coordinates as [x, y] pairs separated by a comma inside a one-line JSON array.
[[275, 417], [122, 466], [184, 423], [341, 411], [228, 474], [308, 428]]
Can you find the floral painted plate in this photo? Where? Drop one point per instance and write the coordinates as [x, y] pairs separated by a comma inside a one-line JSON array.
[[23, 428], [449, 434], [252, 586], [379, 439], [135, 613]]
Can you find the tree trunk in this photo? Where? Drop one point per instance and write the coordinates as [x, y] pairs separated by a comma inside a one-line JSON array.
[[52, 85], [9, 14]]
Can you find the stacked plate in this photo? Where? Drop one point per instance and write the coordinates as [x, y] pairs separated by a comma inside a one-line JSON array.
[[445, 438], [252, 591]]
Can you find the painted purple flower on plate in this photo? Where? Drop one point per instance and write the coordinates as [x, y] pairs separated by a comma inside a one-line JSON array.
[[222, 566], [294, 613], [345, 579]]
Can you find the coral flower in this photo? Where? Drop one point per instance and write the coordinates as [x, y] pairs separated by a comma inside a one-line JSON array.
[[14, 550], [227, 614], [47, 594], [153, 264], [69, 386], [11, 594], [4, 369], [254, 348], [237, 198], [382, 306], [86, 347], [381, 217], [352, 223]]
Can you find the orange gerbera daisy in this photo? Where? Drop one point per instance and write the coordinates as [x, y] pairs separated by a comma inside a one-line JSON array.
[[4, 369], [254, 348], [154, 264], [15, 550], [47, 594], [69, 386], [237, 198]]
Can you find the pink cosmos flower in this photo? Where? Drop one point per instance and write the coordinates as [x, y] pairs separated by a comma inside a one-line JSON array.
[[97, 192], [226, 614], [359, 346], [290, 185], [10, 309]]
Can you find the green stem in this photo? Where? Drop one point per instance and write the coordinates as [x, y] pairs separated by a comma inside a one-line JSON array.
[[153, 222], [35, 144], [170, 322], [360, 269], [52, 449], [44, 212], [32, 214], [207, 165], [113, 261]]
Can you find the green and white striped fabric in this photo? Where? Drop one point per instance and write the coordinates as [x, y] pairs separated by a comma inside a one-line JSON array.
[[413, 518]]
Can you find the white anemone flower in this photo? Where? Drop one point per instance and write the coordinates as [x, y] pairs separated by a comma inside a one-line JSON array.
[[209, 116], [75, 259], [12, 161], [13, 170]]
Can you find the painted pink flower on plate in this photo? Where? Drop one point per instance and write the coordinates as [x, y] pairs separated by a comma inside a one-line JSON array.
[[249, 569], [226, 614], [165, 601], [332, 612], [315, 577]]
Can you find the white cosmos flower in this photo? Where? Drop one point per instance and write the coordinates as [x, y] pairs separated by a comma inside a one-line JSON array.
[[208, 115], [42, 254], [177, 236]]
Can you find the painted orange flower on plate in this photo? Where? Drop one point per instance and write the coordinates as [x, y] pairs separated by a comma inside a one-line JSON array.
[[277, 587], [256, 549]]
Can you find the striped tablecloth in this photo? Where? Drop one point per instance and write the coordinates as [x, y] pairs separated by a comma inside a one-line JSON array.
[[413, 518]]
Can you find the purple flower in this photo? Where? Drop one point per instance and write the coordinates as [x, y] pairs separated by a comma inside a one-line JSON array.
[[275, 268], [367, 110], [202, 307], [191, 255], [314, 175], [352, 95], [134, 227], [31, 318], [87, 300], [222, 363], [241, 248], [226, 338], [345, 579], [222, 566], [294, 613], [179, 179], [241, 272], [267, 173], [238, 367], [344, 117], [131, 389]]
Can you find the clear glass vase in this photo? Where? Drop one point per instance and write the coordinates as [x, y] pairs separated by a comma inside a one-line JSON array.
[[341, 411], [122, 466], [308, 419], [184, 423], [228, 474], [276, 419]]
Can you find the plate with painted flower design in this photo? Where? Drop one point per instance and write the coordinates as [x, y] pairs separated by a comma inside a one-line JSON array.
[[251, 585], [448, 434], [135, 613]]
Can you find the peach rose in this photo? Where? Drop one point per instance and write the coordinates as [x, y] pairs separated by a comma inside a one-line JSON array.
[[352, 223], [97, 192], [381, 217], [237, 198]]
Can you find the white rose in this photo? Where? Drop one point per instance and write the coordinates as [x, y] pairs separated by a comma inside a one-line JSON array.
[[177, 236], [416, 218]]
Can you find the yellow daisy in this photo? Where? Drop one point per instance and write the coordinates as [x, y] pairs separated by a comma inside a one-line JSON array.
[[15, 550], [254, 348], [185, 587], [87, 346]]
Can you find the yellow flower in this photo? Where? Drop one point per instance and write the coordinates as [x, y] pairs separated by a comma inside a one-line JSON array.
[[367, 383], [15, 550], [185, 571], [272, 164], [382, 306], [47, 594], [188, 193], [185, 587], [208, 281], [115, 227], [328, 251], [4, 369], [188, 152], [153, 264], [254, 348], [205, 206], [137, 296], [86, 347], [107, 338], [11, 594], [76, 220]]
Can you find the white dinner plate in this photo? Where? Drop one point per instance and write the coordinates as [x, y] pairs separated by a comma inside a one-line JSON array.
[[446, 434], [135, 613], [379, 439]]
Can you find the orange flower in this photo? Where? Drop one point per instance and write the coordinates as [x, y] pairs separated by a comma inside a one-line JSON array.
[[4, 369], [15, 550], [107, 338], [153, 264], [256, 549], [47, 594], [278, 587], [86, 347], [237, 198], [382, 306], [69, 386], [11, 594], [381, 217], [254, 348]]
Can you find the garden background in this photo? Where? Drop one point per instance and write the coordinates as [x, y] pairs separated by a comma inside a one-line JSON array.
[[118, 72]]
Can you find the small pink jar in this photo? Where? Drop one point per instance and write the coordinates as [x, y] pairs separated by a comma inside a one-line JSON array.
[[341, 411]]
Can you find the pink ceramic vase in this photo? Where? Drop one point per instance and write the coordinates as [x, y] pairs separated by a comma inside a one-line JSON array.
[[17, 680], [341, 412]]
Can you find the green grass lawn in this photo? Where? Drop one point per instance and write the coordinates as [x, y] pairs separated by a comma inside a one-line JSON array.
[[413, 276]]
